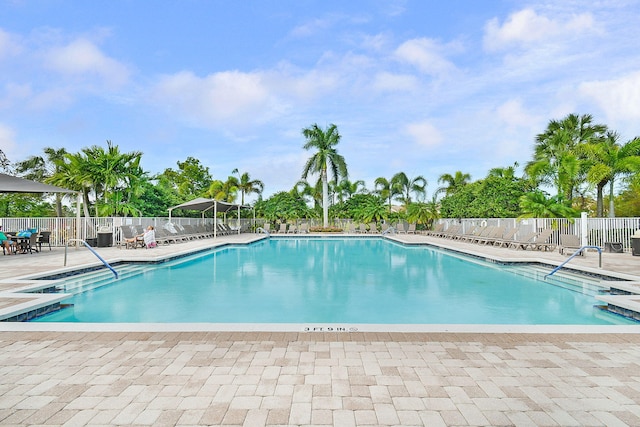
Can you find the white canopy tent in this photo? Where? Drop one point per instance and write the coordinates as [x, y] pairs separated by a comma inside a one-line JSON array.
[[204, 205]]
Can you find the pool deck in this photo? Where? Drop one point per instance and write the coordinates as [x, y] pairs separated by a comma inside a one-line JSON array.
[[275, 375]]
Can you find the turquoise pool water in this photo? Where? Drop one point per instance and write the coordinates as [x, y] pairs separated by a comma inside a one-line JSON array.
[[344, 281]]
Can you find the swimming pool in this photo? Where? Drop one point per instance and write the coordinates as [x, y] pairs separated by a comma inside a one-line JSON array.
[[337, 280]]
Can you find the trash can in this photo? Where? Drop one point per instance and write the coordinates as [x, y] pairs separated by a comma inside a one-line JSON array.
[[91, 241], [635, 246], [613, 247], [105, 240]]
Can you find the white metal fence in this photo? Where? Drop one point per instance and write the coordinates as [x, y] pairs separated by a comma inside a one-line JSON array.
[[598, 230]]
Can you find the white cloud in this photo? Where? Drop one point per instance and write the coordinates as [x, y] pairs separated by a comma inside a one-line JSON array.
[[618, 98], [7, 142], [388, 82], [426, 55], [210, 100], [8, 44], [513, 114], [82, 57], [526, 27], [424, 133]]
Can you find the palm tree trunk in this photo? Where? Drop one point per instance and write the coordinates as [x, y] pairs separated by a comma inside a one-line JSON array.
[[612, 213], [599, 201], [325, 198]]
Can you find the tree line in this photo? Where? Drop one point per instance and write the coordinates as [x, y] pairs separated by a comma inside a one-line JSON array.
[[575, 166]]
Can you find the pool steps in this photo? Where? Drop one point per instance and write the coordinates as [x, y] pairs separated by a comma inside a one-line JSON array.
[[95, 279]]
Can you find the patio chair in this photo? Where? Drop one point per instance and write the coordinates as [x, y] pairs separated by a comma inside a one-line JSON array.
[[373, 228], [400, 228], [412, 228], [44, 237], [362, 228], [283, 227], [523, 243], [436, 230], [496, 232], [570, 242], [292, 229]]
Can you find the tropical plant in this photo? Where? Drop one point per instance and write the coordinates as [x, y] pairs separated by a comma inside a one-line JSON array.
[[190, 180], [371, 208], [423, 212], [224, 191], [325, 158], [556, 161], [385, 189], [404, 186], [282, 206], [452, 182], [608, 160], [346, 189], [41, 169], [247, 186], [537, 205]]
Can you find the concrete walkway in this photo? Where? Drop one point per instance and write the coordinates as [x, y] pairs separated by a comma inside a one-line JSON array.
[[193, 377]]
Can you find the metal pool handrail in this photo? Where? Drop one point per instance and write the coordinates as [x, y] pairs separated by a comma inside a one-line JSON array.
[[574, 255], [66, 246], [264, 231]]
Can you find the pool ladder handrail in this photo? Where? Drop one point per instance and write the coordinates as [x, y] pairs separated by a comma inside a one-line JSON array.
[[389, 230], [260, 229], [66, 246], [579, 251]]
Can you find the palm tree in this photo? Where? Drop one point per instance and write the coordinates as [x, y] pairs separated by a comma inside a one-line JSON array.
[[4, 162], [247, 186], [385, 189], [537, 205], [345, 189], [325, 158], [224, 191], [509, 172], [41, 169], [610, 159], [403, 186], [453, 182], [555, 160]]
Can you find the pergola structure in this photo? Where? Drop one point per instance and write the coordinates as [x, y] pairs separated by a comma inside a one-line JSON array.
[[204, 205]]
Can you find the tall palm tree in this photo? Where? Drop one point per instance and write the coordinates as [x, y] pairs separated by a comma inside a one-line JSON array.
[[247, 186], [325, 158], [41, 169], [555, 159], [609, 160], [453, 182], [4, 162], [404, 186]]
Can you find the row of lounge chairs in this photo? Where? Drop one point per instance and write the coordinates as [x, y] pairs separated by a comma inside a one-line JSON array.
[[174, 233], [499, 236]]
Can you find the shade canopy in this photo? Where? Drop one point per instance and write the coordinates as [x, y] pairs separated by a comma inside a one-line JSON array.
[[203, 204], [13, 184]]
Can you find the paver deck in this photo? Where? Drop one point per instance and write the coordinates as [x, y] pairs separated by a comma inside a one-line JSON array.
[[190, 377]]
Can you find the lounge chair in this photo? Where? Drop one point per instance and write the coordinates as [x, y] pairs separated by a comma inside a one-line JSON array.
[[436, 230], [130, 239], [506, 239], [495, 233], [452, 232], [304, 228], [400, 228], [362, 228], [373, 228], [543, 241], [523, 243], [412, 228], [351, 228], [570, 242], [473, 234], [283, 228], [292, 229]]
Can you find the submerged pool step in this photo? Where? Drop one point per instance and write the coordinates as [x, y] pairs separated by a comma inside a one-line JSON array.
[[563, 279], [95, 279]]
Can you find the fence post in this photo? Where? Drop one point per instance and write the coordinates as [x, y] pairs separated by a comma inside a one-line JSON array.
[[584, 230]]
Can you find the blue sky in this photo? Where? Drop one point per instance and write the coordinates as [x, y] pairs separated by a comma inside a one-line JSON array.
[[423, 87]]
